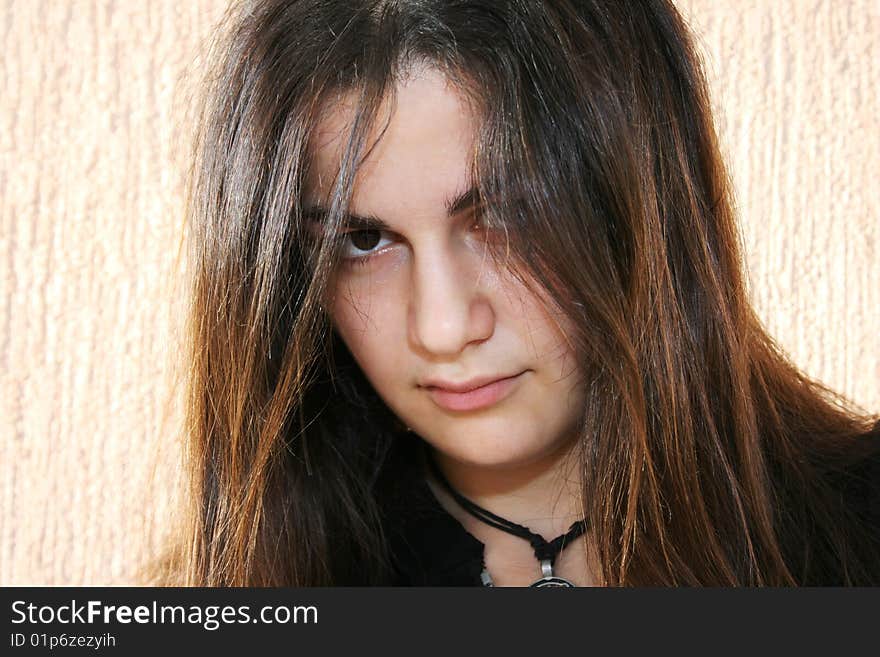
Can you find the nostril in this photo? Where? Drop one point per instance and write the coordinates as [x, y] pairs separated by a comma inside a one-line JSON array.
[[447, 331]]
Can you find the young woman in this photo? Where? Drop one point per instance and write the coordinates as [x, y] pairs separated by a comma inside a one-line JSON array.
[[468, 308]]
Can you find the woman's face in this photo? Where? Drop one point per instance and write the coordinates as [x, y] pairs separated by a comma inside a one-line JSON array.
[[421, 306]]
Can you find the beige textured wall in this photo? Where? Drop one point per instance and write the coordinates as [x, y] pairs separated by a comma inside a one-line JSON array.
[[90, 222]]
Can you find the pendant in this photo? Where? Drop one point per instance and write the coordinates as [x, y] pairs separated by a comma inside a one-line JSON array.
[[549, 579]]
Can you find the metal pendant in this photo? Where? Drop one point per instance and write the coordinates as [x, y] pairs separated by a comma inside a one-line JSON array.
[[549, 579]]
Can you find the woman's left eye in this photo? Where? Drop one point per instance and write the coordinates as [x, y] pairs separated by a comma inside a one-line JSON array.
[[362, 243]]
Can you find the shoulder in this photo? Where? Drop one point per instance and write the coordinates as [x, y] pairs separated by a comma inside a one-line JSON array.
[[828, 513], [857, 487], [859, 482], [427, 546]]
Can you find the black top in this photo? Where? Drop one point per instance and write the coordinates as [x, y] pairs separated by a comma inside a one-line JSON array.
[[430, 547]]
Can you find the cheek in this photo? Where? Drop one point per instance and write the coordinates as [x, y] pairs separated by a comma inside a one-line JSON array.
[[371, 323], [558, 345], [545, 330]]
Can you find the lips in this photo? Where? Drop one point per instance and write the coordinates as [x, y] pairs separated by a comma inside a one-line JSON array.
[[472, 395]]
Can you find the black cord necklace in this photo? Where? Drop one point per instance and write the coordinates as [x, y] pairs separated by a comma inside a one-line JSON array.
[[545, 551]]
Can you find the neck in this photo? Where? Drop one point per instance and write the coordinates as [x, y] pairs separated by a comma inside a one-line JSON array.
[[543, 494]]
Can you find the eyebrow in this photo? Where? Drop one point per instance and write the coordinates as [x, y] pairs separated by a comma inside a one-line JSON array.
[[468, 200]]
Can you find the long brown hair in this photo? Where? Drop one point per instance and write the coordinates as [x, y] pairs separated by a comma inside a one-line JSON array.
[[707, 456]]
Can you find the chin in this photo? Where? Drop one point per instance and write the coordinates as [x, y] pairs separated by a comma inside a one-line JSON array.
[[496, 447]]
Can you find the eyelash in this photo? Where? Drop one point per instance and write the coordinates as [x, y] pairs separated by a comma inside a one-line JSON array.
[[363, 260]]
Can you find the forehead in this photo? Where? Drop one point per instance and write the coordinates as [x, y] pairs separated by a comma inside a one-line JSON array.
[[420, 144]]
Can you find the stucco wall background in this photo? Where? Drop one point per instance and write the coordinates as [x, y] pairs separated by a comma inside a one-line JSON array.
[[90, 222]]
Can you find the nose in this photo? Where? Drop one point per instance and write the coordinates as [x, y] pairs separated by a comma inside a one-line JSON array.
[[448, 310]]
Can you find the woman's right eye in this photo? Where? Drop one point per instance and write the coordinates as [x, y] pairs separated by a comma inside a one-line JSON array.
[[362, 244]]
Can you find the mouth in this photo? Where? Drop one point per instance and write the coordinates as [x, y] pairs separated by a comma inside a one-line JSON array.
[[470, 398]]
